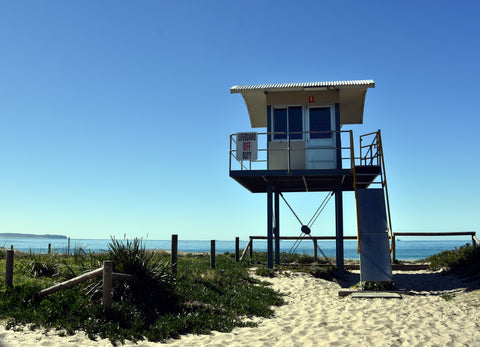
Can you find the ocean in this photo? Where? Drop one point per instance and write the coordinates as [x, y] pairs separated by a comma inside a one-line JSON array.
[[405, 249]]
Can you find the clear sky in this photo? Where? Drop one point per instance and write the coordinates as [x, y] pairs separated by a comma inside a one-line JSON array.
[[115, 115]]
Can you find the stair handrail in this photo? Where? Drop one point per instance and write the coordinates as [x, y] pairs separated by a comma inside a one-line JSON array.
[[354, 172], [384, 184], [370, 148]]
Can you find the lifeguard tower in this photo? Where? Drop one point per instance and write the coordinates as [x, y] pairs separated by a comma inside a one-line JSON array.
[[304, 149]]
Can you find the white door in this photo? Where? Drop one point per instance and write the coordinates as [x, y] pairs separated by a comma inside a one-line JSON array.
[[320, 141]]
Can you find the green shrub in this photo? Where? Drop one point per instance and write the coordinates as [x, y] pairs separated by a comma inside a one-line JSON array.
[[265, 272], [152, 290], [39, 265], [448, 297], [326, 273], [465, 259], [378, 285]]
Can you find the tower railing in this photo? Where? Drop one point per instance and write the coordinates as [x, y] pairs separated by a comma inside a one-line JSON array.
[[292, 149]]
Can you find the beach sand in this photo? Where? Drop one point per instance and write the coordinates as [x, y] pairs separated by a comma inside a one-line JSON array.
[[315, 315]]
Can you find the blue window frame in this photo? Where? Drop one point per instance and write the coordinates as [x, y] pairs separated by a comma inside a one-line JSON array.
[[295, 122], [280, 123], [320, 120], [288, 120]]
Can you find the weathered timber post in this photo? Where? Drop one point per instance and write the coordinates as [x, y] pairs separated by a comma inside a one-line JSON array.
[[70, 283], [107, 283], [174, 254], [315, 250], [251, 247], [68, 246], [9, 268], [212, 254], [237, 249], [394, 253], [49, 248], [11, 246]]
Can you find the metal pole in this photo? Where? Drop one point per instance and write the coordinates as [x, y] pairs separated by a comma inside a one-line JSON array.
[[277, 228], [339, 229], [288, 152], [269, 225]]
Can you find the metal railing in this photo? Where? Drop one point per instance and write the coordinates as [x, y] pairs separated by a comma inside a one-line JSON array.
[[371, 153], [291, 150], [370, 149]]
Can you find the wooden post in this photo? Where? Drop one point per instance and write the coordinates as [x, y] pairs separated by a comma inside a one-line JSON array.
[[394, 255], [237, 249], [49, 248], [107, 283], [212, 254], [9, 268], [251, 247], [246, 249], [315, 250], [11, 246], [174, 254], [70, 283], [68, 246]]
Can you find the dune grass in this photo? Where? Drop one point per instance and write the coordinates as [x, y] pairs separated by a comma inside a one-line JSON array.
[[156, 306], [464, 260]]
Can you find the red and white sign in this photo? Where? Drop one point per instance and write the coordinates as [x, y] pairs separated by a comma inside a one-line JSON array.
[[247, 146]]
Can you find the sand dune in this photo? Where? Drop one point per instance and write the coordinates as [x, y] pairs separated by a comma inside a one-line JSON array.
[[315, 315]]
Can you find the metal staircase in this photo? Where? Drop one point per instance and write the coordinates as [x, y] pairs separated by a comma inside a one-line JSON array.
[[373, 211]]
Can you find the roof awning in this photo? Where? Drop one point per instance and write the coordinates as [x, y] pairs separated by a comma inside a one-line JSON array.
[[351, 96]]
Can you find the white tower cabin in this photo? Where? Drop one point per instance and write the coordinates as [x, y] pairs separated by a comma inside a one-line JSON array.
[[304, 149]]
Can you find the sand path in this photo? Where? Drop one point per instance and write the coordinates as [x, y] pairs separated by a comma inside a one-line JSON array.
[[316, 316]]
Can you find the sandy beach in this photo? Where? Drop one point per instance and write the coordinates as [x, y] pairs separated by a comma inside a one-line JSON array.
[[435, 310]]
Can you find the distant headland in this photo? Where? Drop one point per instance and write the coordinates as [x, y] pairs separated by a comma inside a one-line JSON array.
[[31, 236]]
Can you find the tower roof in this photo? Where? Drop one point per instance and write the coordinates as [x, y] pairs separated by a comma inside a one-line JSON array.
[[349, 94]]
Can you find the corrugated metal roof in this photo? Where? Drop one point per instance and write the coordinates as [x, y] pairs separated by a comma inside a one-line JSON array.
[[301, 86]]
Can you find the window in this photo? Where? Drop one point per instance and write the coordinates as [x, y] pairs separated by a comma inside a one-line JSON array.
[[288, 120], [320, 120]]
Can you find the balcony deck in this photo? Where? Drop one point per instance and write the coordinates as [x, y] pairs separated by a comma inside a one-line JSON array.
[[305, 180]]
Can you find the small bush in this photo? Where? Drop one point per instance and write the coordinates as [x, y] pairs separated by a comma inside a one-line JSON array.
[[448, 297], [39, 265], [326, 273], [152, 291], [465, 259], [377, 285], [265, 272]]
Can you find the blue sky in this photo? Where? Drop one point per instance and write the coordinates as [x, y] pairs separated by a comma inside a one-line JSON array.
[[115, 115]]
